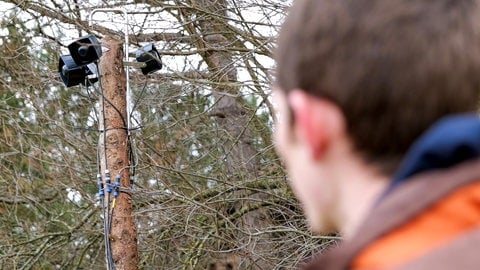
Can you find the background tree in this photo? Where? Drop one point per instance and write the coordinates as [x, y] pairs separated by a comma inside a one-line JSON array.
[[210, 192]]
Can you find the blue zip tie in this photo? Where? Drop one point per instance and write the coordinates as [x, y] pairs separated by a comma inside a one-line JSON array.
[[116, 187], [108, 181]]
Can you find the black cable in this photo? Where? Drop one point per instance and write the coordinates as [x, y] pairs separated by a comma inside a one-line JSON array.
[[108, 220], [91, 100], [133, 161], [133, 165], [139, 96]]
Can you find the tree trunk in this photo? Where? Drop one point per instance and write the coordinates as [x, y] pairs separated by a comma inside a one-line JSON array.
[[114, 156], [240, 153]]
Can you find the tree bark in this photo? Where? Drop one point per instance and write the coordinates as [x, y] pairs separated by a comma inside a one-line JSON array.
[[114, 154]]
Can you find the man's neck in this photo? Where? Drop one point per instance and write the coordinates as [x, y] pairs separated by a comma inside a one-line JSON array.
[[360, 186]]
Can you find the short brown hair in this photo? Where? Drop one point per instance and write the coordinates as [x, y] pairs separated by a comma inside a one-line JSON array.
[[393, 67]]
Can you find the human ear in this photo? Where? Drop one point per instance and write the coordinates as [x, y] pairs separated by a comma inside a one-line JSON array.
[[317, 121]]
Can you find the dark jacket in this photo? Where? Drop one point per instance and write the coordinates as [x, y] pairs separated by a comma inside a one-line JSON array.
[[440, 190]]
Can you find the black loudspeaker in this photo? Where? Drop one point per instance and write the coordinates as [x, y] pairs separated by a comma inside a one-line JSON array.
[[85, 50], [149, 55], [73, 74]]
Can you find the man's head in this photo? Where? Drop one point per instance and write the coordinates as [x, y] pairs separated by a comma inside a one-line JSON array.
[[386, 70], [393, 67]]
